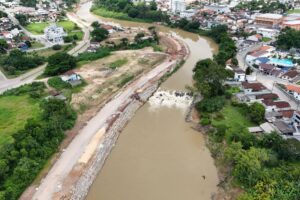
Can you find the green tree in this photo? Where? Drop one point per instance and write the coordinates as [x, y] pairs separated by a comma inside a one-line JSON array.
[[99, 34], [3, 46], [59, 63], [288, 38], [209, 78], [257, 112], [23, 19]]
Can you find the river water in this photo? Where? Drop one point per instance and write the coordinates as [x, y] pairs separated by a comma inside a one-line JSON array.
[[158, 156]]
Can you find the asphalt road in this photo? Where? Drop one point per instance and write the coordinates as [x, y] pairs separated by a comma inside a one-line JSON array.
[[30, 76]]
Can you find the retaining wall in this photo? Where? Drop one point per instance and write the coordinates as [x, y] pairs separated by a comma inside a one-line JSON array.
[[80, 190]]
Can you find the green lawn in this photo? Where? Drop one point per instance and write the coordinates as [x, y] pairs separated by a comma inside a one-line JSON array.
[[116, 15], [233, 117], [38, 28], [79, 34], [14, 111], [265, 39], [294, 11], [36, 45]]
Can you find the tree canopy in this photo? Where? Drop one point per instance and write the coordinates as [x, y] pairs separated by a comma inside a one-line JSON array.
[[209, 78], [288, 38], [59, 63]]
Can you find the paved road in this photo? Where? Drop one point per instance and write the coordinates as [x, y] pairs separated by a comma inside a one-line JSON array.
[[30, 76], [268, 81]]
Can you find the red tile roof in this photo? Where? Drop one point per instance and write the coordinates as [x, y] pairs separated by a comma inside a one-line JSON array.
[[278, 104], [287, 113], [293, 88], [266, 66], [253, 86], [267, 96], [291, 74]]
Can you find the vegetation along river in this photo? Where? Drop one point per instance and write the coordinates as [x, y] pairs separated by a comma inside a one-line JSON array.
[[158, 156]]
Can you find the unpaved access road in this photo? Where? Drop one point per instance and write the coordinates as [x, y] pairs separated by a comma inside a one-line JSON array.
[[52, 182]]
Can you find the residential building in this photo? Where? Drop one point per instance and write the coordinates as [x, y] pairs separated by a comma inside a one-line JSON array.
[[218, 8], [268, 20], [291, 24], [177, 6], [290, 75], [55, 34], [239, 75], [271, 105], [72, 78], [188, 13], [269, 33], [251, 88], [283, 128], [293, 90]]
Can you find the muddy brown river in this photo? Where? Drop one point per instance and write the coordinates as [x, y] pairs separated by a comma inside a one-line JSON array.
[[158, 156]]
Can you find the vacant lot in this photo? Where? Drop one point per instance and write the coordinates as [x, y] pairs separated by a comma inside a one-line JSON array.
[[232, 118], [14, 111], [105, 76]]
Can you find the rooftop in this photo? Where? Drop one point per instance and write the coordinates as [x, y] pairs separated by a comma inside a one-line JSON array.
[[293, 88], [253, 86], [270, 16], [291, 74], [267, 96]]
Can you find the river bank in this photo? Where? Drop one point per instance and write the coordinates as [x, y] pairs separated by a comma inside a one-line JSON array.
[[123, 100], [201, 48], [77, 184]]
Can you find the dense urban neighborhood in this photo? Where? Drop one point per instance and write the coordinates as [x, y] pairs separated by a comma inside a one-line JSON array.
[[152, 99]]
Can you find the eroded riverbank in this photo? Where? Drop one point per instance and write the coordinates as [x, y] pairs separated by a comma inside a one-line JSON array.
[[158, 155], [189, 153]]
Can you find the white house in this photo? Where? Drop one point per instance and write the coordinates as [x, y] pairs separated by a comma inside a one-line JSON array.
[[239, 75], [218, 8], [293, 90], [254, 88], [55, 34], [188, 13]]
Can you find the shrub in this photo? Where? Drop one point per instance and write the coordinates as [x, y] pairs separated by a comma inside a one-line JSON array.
[[205, 121], [59, 63], [56, 47], [211, 105], [57, 83]]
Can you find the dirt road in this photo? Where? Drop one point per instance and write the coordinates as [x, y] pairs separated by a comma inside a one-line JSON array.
[[52, 182]]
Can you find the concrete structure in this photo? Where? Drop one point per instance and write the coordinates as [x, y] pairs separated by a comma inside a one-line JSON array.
[[218, 8], [55, 34], [239, 75], [292, 24], [269, 33], [269, 20], [177, 6], [188, 13]]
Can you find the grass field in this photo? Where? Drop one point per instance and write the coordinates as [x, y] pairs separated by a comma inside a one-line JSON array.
[[118, 63], [265, 39], [116, 15], [50, 51], [70, 28], [232, 117], [14, 111], [294, 11]]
